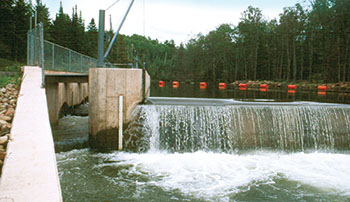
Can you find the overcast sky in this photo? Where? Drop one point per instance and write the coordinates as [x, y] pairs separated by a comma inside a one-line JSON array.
[[179, 20]]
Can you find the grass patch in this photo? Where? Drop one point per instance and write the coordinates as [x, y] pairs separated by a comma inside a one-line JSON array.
[[10, 66], [10, 72], [12, 79]]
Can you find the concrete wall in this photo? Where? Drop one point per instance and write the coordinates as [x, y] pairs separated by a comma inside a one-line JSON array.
[[30, 172], [106, 85]]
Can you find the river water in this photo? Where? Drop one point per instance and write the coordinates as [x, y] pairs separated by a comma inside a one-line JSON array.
[[293, 152]]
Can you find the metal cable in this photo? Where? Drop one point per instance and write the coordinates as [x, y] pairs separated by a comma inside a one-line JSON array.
[[144, 18], [112, 5]]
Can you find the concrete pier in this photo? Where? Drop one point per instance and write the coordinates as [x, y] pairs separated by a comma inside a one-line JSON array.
[[30, 172], [64, 89], [106, 85]]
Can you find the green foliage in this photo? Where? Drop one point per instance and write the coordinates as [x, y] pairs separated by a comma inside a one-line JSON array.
[[10, 66], [6, 27], [304, 44], [14, 24], [60, 28], [91, 39], [44, 17], [77, 32], [13, 79], [10, 72], [122, 55]]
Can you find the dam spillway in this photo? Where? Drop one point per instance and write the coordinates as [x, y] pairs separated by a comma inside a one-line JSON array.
[[189, 125], [227, 150]]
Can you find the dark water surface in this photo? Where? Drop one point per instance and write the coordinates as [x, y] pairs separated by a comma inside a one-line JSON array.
[[201, 153], [250, 94]]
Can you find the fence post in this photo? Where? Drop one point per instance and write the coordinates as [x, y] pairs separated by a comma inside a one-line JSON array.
[[81, 63], [32, 47], [29, 40], [70, 60], [100, 45], [36, 17], [28, 47], [34, 52], [53, 56], [41, 33]]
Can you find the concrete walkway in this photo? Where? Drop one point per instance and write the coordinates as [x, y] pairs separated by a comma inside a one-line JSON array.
[[30, 171]]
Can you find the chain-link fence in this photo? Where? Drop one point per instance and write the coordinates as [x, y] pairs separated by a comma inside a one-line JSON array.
[[33, 46], [56, 57]]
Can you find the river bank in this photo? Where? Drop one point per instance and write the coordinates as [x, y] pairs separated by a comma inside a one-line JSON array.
[[8, 100], [340, 86], [306, 85]]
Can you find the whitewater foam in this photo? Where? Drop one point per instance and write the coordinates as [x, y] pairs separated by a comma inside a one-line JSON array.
[[217, 176]]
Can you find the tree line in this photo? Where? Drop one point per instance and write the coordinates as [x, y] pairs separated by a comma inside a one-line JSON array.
[[305, 43], [65, 30]]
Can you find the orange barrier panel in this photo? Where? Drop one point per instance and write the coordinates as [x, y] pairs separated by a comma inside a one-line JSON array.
[[242, 88], [203, 85], [243, 85], [264, 86], [292, 87], [222, 86], [175, 84], [292, 91], [322, 88], [161, 83], [322, 93], [263, 89]]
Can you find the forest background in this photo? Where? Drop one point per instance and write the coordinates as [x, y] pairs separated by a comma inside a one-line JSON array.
[[304, 44]]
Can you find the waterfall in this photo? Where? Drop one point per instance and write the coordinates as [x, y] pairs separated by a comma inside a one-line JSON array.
[[234, 128]]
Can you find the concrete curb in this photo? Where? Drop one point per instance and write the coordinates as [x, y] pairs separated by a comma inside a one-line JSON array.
[[30, 170]]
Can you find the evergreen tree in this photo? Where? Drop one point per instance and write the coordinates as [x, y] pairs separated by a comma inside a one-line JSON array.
[[179, 60], [122, 55], [21, 13], [7, 28], [112, 56], [92, 38], [77, 32], [60, 30], [304, 44], [44, 17]]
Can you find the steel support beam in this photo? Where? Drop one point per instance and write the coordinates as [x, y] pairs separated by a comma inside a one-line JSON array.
[[101, 36]]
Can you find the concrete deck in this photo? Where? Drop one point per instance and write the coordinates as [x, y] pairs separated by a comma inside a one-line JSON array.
[[66, 78], [30, 172]]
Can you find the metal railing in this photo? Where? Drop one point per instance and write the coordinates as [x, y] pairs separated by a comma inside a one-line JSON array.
[[52, 56]]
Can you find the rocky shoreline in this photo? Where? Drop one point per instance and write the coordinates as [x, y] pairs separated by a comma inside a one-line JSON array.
[[8, 101], [336, 87], [341, 86]]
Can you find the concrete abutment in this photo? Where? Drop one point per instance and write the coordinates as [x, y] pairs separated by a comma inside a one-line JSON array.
[[105, 87]]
